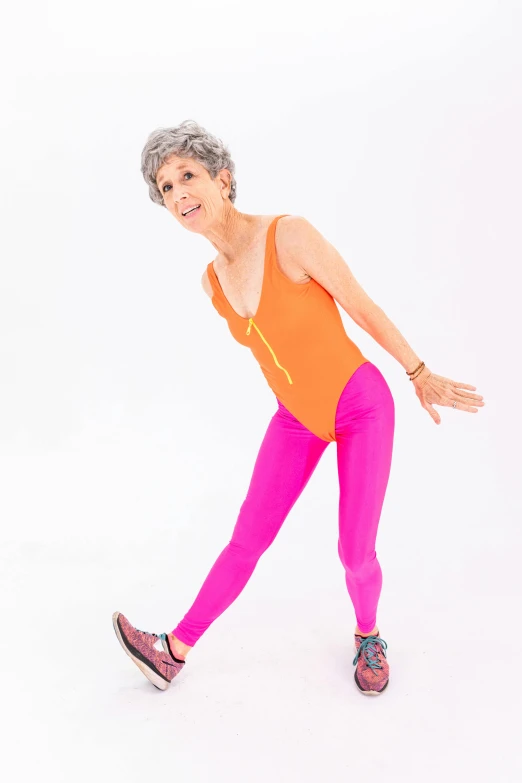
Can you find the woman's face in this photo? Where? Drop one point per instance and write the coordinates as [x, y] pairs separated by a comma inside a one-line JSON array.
[[185, 183]]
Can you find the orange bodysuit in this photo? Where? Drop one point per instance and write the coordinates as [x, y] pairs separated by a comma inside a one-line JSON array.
[[299, 340]]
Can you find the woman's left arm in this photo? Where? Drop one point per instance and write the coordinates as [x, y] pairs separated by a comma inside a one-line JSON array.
[[305, 246]]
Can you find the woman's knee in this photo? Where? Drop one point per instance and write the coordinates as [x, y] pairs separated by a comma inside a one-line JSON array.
[[246, 553], [357, 566]]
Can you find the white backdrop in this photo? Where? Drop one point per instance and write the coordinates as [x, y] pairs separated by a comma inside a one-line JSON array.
[[131, 420]]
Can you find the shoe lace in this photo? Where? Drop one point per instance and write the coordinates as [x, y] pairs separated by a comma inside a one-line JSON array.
[[369, 651], [156, 635]]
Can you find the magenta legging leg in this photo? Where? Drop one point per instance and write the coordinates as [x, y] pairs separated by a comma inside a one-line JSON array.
[[364, 425], [286, 460], [287, 457]]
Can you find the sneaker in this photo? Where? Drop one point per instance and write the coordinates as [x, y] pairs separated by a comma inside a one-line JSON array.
[[372, 672], [159, 667]]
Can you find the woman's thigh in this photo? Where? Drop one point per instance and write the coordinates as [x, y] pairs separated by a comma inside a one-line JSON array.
[[365, 423], [287, 457]]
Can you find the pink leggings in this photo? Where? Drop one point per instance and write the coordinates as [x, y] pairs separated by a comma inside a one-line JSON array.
[[289, 453]]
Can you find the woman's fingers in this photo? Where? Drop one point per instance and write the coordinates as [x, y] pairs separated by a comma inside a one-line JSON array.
[[458, 385], [461, 405], [431, 410], [462, 385], [465, 402]]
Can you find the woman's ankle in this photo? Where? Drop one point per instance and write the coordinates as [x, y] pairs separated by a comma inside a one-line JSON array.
[[374, 632], [179, 648]]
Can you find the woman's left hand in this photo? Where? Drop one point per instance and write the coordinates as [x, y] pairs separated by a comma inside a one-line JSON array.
[[436, 389]]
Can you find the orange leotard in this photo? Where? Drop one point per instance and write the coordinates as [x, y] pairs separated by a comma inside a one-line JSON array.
[[299, 341]]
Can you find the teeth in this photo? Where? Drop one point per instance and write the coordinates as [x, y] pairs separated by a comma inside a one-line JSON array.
[[191, 210]]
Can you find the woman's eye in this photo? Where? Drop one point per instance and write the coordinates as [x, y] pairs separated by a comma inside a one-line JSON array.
[[185, 174]]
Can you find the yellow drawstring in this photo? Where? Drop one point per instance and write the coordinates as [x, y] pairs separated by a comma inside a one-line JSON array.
[[250, 323]]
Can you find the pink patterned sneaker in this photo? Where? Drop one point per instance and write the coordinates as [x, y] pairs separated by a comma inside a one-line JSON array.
[[372, 672], [159, 667]]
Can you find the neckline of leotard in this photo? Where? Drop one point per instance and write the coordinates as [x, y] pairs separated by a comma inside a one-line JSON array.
[[268, 238]]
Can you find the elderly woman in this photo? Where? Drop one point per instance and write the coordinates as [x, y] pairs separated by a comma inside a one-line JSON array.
[[275, 280]]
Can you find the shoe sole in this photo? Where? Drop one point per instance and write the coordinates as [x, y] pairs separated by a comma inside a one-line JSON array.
[[151, 675], [368, 693]]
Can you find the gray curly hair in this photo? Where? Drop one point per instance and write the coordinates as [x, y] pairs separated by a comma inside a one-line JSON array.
[[187, 140]]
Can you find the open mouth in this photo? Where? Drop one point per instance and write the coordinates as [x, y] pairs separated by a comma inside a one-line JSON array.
[[192, 211]]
